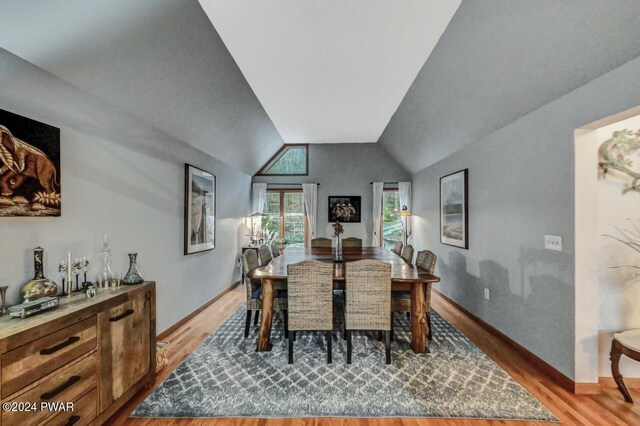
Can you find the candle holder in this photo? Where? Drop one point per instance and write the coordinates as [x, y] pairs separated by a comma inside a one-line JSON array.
[[62, 273], [3, 295], [76, 267]]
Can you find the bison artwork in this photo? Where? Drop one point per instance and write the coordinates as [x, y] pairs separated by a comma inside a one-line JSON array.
[[29, 167]]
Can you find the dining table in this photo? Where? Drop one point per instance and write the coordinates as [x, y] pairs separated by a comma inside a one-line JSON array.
[[404, 277]]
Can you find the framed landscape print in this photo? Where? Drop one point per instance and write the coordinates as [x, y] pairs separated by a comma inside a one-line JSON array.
[[199, 210], [345, 209], [454, 209], [29, 167]]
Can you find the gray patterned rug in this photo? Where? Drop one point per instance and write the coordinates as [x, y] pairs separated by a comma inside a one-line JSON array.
[[225, 377]]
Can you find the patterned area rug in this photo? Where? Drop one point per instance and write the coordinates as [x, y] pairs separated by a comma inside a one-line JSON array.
[[225, 377]]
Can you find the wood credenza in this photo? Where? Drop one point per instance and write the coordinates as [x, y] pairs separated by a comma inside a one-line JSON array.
[[94, 352]]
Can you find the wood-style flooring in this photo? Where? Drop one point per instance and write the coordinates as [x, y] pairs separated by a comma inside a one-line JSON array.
[[607, 408]]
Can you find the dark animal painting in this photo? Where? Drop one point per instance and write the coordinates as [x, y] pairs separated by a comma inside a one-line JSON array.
[[29, 167]]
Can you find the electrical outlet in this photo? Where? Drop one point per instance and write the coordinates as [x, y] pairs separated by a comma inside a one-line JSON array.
[[486, 293], [553, 242]]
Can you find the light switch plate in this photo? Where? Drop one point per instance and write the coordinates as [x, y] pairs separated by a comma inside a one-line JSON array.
[[486, 293], [553, 242]]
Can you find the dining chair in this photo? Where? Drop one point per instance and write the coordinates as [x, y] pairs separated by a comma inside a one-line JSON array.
[[254, 293], [265, 255], [310, 304], [368, 301], [397, 248], [351, 242], [401, 300], [407, 253], [321, 243], [275, 250]]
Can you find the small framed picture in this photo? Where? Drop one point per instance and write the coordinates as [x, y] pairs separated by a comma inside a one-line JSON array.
[[344, 208], [199, 210], [454, 209]]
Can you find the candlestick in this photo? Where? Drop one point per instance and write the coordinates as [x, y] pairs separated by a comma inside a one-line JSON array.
[[69, 281]]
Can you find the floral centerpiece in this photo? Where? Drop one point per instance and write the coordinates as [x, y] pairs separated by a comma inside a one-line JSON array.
[[282, 243], [338, 230]]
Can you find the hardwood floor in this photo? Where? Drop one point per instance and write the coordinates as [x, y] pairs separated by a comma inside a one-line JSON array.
[[607, 408]]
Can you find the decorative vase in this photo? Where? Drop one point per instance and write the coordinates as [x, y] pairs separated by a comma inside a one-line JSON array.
[[39, 286], [338, 247], [106, 278], [133, 275], [3, 295]]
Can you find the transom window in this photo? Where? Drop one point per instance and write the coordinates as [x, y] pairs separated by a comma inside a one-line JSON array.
[[290, 160]]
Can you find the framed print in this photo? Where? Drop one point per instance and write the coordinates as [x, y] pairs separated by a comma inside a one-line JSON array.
[[29, 167], [454, 209], [199, 210], [344, 208]]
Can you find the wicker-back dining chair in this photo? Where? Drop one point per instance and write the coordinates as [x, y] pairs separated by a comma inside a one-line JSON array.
[[407, 253], [397, 248], [265, 255], [321, 243], [275, 250], [351, 242], [310, 304], [368, 300], [254, 293], [401, 300]]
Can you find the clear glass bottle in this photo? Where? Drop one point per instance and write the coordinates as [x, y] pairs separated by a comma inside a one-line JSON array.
[[107, 275]]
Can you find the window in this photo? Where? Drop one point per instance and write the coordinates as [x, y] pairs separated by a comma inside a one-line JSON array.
[[284, 218], [392, 228], [290, 160]]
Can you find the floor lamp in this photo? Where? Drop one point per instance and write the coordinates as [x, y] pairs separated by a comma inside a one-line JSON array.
[[404, 214]]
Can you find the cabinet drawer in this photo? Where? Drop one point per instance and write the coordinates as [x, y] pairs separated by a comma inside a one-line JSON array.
[[84, 411], [28, 363], [64, 385]]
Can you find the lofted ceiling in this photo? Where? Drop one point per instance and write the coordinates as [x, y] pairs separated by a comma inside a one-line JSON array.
[[158, 60], [330, 71], [499, 60], [237, 78]]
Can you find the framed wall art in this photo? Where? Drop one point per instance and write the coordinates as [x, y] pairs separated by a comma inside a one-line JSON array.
[[199, 210], [344, 208], [29, 167], [454, 209]]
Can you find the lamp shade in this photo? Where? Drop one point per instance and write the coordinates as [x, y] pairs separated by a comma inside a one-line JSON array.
[[405, 211]]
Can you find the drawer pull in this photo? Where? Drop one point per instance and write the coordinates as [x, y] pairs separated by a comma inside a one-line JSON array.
[[122, 315], [49, 395], [48, 351], [72, 420]]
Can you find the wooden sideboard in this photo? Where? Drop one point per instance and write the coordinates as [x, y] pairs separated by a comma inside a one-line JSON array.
[[95, 352]]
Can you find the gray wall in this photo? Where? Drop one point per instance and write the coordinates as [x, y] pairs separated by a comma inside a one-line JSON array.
[[346, 169], [521, 187], [160, 60], [126, 179], [499, 60]]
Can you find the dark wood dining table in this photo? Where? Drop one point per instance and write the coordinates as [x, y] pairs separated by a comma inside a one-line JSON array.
[[404, 277]]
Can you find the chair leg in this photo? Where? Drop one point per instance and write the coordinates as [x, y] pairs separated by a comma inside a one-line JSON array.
[[329, 349], [615, 371], [430, 335], [379, 336], [285, 316], [348, 347], [247, 324], [387, 347], [255, 321], [409, 316], [291, 339]]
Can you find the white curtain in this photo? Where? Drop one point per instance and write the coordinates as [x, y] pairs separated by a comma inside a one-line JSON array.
[[310, 195], [404, 189], [377, 213], [259, 197]]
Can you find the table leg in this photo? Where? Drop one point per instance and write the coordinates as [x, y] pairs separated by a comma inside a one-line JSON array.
[[418, 319], [268, 294]]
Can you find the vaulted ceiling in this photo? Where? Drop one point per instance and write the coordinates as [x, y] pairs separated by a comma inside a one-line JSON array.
[[325, 71], [330, 72]]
